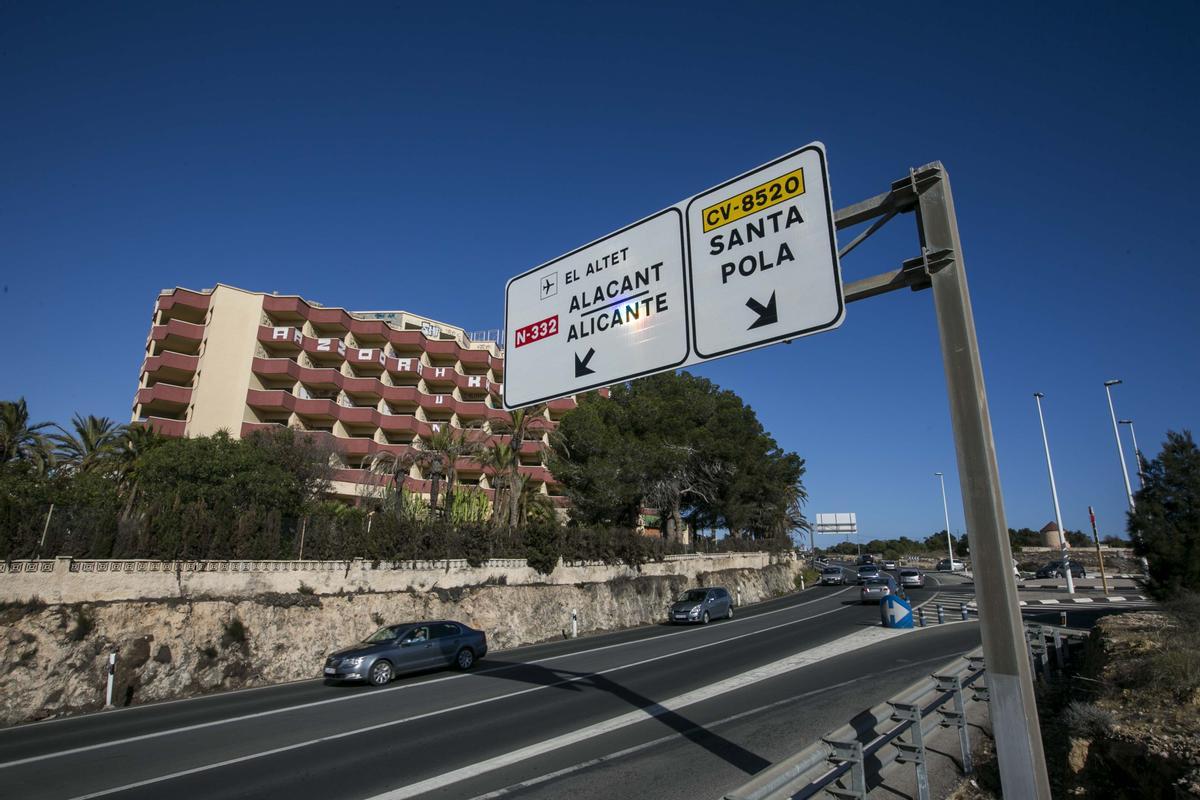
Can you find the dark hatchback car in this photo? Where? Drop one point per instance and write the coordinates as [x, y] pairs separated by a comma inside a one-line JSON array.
[[408, 647], [1054, 569], [702, 605]]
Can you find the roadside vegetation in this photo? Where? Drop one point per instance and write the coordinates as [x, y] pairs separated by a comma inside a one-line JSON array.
[[96, 489]]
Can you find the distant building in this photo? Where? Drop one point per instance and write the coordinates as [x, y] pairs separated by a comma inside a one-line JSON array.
[[1051, 536], [369, 381]]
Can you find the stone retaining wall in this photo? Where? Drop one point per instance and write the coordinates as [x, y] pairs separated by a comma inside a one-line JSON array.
[[68, 580]]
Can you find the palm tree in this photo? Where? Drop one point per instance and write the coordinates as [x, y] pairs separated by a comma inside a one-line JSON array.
[[20, 441], [520, 422], [94, 442], [133, 442], [499, 457], [446, 446]]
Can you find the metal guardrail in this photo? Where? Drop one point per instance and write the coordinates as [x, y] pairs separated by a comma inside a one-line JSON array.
[[849, 762]]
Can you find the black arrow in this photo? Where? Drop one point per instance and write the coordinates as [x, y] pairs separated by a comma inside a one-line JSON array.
[[767, 314], [581, 365]]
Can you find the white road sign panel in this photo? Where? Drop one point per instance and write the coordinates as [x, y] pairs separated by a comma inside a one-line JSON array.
[[746, 264], [763, 263], [608, 312]]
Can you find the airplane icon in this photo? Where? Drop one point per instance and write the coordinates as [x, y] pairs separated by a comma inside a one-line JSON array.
[[549, 286]]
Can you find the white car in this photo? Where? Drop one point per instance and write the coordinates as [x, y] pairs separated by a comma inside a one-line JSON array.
[[945, 566]]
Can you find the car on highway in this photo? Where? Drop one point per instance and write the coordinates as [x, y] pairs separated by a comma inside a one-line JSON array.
[[702, 605], [912, 578], [867, 571], [945, 566], [874, 590], [866, 558], [1055, 569], [407, 647], [832, 576], [889, 565]]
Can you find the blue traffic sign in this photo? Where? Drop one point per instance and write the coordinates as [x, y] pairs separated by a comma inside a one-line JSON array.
[[895, 612]]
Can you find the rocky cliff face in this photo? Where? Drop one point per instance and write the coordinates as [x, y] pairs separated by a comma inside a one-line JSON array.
[[55, 656]]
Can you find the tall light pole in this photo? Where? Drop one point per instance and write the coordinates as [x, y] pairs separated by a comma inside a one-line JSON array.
[[946, 512], [1062, 532], [1116, 432], [1137, 454]]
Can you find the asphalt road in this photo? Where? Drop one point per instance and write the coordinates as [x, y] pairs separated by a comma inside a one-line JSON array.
[[659, 711]]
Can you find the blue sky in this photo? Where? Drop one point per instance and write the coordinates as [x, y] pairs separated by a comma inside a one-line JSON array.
[[416, 156]]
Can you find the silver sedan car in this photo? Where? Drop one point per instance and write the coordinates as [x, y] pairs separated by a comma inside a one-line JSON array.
[[407, 647], [832, 576], [875, 589], [913, 578]]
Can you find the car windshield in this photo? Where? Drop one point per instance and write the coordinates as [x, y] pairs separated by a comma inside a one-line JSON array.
[[831, 571], [868, 569], [388, 634], [691, 596]]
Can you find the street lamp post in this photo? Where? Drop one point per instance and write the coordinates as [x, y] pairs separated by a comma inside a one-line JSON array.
[[1116, 432], [946, 511], [1062, 532], [1137, 454]]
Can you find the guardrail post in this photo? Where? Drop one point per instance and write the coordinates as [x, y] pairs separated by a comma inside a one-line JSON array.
[[849, 753], [957, 717], [941, 614], [979, 691], [1060, 658], [1062, 618], [912, 751], [921, 617]]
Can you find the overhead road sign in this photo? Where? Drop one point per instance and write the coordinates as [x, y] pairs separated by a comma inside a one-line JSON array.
[[610, 311], [763, 257], [746, 264]]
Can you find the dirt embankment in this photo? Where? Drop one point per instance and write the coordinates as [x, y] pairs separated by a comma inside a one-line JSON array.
[[1127, 725], [54, 656]]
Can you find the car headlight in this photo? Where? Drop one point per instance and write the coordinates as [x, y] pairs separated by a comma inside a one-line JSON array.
[[353, 662], [695, 612]]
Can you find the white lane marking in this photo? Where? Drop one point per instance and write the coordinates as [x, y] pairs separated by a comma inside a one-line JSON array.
[[377, 692], [392, 723], [847, 644], [629, 751], [1049, 602], [1082, 600], [1115, 599]]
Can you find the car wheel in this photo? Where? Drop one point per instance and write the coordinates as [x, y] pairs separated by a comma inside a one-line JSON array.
[[381, 673], [465, 659], [704, 619], [730, 614]]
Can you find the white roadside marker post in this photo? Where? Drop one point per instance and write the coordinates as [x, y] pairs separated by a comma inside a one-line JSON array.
[[112, 670]]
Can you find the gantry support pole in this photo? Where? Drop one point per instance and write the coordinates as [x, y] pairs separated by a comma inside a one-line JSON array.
[[1012, 704]]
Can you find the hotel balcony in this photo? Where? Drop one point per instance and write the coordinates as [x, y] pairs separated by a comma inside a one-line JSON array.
[[169, 367], [166, 427], [164, 399], [177, 336], [281, 341], [183, 304]]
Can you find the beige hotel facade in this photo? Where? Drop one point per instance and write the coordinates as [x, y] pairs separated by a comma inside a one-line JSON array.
[[367, 381]]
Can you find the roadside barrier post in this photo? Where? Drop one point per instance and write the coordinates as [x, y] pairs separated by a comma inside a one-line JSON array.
[[941, 614], [802, 581], [956, 717], [111, 671], [1062, 618], [963, 608], [739, 597], [921, 617], [574, 624]]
